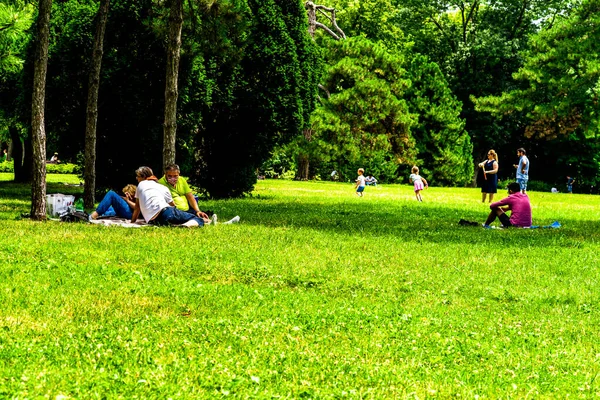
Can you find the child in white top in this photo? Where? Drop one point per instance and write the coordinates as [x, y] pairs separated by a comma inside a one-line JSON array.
[[419, 182], [360, 183]]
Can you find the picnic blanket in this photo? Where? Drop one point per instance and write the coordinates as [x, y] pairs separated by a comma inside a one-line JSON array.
[[553, 225], [116, 221]]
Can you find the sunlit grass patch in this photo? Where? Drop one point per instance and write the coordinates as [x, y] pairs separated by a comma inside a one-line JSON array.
[[316, 293]]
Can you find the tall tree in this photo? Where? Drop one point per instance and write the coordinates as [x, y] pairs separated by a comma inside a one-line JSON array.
[[16, 18], [171, 87], [366, 116], [92, 106], [444, 146], [314, 11], [38, 129]]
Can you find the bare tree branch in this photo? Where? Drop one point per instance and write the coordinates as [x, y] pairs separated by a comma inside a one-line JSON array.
[[326, 29], [312, 9], [323, 88]]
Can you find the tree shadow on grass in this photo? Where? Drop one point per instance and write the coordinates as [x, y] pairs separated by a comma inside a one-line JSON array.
[[404, 221], [412, 222]]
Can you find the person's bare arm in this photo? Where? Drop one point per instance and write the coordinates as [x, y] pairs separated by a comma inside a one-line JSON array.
[[494, 170], [136, 211], [194, 205]]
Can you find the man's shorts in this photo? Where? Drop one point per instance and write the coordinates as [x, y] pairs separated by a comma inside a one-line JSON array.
[[360, 189], [523, 183], [504, 220]]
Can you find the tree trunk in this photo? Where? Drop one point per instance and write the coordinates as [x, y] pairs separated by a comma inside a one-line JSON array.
[[9, 152], [17, 154], [303, 164], [313, 24], [27, 170], [89, 190], [303, 160], [38, 130], [171, 90]]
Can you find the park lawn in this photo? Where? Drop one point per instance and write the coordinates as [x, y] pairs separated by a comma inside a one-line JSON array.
[[315, 294]]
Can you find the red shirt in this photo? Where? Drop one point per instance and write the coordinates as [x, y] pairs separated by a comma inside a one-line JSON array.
[[518, 204]]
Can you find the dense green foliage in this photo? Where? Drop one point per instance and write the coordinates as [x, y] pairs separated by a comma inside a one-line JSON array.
[[16, 17], [8, 166], [316, 294], [560, 87], [267, 93], [247, 83], [364, 121], [444, 147]]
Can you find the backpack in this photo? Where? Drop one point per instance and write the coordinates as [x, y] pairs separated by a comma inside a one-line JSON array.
[[75, 216]]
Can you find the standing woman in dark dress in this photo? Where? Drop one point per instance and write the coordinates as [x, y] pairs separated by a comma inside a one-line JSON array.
[[490, 173]]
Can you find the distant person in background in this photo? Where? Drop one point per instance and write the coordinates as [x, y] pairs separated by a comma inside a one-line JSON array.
[[490, 175], [54, 159], [570, 181], [360, 183], [518, 205], [418, 181], [370, 180], [522, 169], [334, 175], [4, 156]]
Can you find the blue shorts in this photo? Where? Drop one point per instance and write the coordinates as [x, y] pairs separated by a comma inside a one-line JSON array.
[[523, 183], [360, 189]]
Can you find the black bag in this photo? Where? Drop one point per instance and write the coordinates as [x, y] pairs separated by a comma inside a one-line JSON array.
[[75, 216]]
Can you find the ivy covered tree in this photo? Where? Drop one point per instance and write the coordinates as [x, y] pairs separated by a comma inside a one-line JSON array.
[[268, 90]]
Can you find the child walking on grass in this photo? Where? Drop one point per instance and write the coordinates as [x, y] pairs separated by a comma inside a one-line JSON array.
[[419, 182], [360, 183]]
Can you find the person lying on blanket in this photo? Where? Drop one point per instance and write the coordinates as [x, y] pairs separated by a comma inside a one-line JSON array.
[[121, 205], [155, 203], [518, 205]]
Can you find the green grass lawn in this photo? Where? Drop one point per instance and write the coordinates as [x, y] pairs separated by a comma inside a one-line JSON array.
[[316, 294]]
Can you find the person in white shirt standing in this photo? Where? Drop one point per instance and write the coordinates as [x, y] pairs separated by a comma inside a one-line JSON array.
[[360, 183]]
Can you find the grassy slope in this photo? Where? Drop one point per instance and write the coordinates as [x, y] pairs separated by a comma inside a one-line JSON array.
[[316, 294]]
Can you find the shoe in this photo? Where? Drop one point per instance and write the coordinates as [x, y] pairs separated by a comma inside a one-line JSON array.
[[486, 226], [214, 219], [233, 220]]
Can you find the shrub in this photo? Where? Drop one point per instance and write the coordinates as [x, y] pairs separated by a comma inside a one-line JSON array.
[[8, 166]]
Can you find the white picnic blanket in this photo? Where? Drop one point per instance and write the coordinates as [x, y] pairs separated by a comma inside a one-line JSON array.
[[125, 223]]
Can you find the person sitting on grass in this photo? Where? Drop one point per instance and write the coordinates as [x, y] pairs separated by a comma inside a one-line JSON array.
[[183, 197], [182, 194], [370, 180], [156, 205], [518, 205], [122, 206]]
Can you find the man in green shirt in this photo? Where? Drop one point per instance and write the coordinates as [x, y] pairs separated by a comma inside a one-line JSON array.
[[180, 191]]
